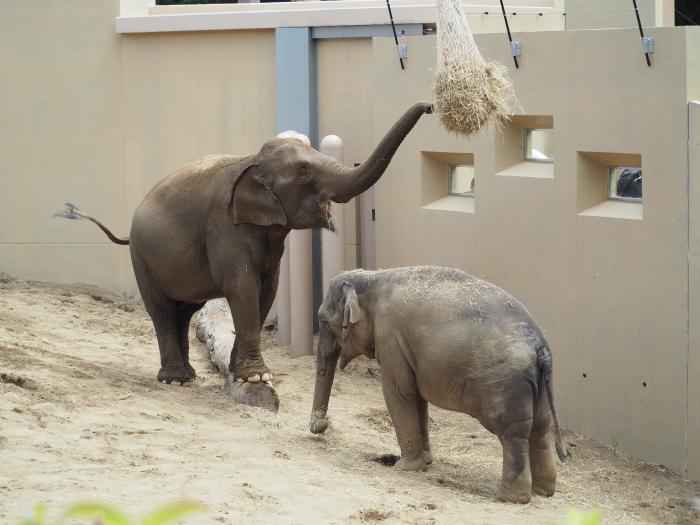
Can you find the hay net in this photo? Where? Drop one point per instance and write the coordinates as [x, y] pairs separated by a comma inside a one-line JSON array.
[[468, 90]]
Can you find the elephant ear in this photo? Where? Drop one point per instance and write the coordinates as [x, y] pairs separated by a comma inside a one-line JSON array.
[[351, 310], [254, 202]]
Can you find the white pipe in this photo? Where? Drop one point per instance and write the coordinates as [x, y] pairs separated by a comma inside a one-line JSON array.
[[284, 323], [333, 243], [284, 317], [298, 283], [301, 292]]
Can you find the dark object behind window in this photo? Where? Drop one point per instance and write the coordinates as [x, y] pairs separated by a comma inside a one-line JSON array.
[[629, 184], [687, 12]]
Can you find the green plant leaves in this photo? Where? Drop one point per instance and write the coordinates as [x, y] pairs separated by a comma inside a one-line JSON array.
[[576, 517], [39, 517], [102, 514], [171, 513], [107, 515]]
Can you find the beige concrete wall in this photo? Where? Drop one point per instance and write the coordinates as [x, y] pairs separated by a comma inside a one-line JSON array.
[[603, 14], [189, 95], [694, 292], [609, 292], [61, 139], [693, 82], [345, 102], [98, 118]]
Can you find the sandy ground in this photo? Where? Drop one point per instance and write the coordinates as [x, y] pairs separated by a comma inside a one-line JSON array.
[[82, 417]]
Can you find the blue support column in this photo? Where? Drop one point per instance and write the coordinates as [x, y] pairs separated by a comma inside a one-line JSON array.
[[295, 68], [295, 82]]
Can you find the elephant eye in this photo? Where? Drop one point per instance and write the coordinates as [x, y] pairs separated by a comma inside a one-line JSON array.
[[322, 323], [304, 172]]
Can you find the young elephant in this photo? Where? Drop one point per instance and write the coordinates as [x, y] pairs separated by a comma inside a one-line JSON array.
[[446, 337]]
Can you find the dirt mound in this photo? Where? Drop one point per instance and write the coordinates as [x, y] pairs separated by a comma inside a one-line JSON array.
[[82, 417]]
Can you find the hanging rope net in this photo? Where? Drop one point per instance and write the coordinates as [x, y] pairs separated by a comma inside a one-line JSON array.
[[468, 90]]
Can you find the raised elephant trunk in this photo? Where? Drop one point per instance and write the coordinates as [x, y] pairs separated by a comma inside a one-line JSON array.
[[350, 182], [325, 371]]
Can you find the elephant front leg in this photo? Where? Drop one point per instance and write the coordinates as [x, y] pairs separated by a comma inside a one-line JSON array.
[[250, 373], [401, 396]]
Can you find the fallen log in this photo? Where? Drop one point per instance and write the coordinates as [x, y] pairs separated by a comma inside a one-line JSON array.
[[215, 329]]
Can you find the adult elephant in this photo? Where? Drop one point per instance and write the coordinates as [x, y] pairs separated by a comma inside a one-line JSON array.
[[216, 228]]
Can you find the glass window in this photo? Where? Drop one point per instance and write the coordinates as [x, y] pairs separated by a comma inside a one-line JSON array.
[[626, 183], [461, 180], [539, 145]]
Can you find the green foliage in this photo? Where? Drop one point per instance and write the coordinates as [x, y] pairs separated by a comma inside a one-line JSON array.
[[615, 444], [38, 518], [101, 514], [171, 513], [577, 517]]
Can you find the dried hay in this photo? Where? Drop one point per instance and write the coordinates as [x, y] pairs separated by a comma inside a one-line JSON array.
[[468, 90]]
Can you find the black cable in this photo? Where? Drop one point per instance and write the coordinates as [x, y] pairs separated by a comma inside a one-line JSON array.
[[641, 31], [393, 28], [510, 38]]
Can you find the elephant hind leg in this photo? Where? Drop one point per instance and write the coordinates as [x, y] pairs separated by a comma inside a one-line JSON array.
[[516, 479], [164, 314], [185, 311], [424, 420], [165, 321], [513, 426], [544, 472]]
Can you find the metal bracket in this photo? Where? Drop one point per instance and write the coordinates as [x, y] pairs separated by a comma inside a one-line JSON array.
[[403, 51], [648, 42], [516, 48]]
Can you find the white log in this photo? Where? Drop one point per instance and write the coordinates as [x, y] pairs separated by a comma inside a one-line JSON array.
[[215, 329]]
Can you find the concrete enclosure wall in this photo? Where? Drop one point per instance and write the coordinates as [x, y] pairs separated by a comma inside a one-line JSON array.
[[98, 118], [608, 284]]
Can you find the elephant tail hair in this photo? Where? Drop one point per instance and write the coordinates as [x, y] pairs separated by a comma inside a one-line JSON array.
[[72, 212], [544, 362]]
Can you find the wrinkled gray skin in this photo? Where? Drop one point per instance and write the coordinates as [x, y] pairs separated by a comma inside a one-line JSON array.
[[216, 228], [445, 337]]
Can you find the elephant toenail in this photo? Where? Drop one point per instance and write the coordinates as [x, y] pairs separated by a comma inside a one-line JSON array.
[[255, 378], [266, 377]]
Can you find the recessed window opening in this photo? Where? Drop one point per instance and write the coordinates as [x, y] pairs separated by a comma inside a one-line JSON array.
[[539, 145], [461, 180], [625, 184]]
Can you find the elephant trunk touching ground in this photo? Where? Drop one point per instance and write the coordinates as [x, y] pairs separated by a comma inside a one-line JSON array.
[[325, 372], [445, 337], [353, 181]]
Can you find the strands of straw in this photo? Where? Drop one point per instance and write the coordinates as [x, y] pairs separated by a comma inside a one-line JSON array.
[[326, 208], [469, 91]]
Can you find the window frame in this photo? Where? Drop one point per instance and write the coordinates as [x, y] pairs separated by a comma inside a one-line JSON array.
[[469, 194], [525, 157]]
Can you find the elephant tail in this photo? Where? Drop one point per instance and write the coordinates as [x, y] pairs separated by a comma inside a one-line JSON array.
[[544, 362], [71, 212]]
